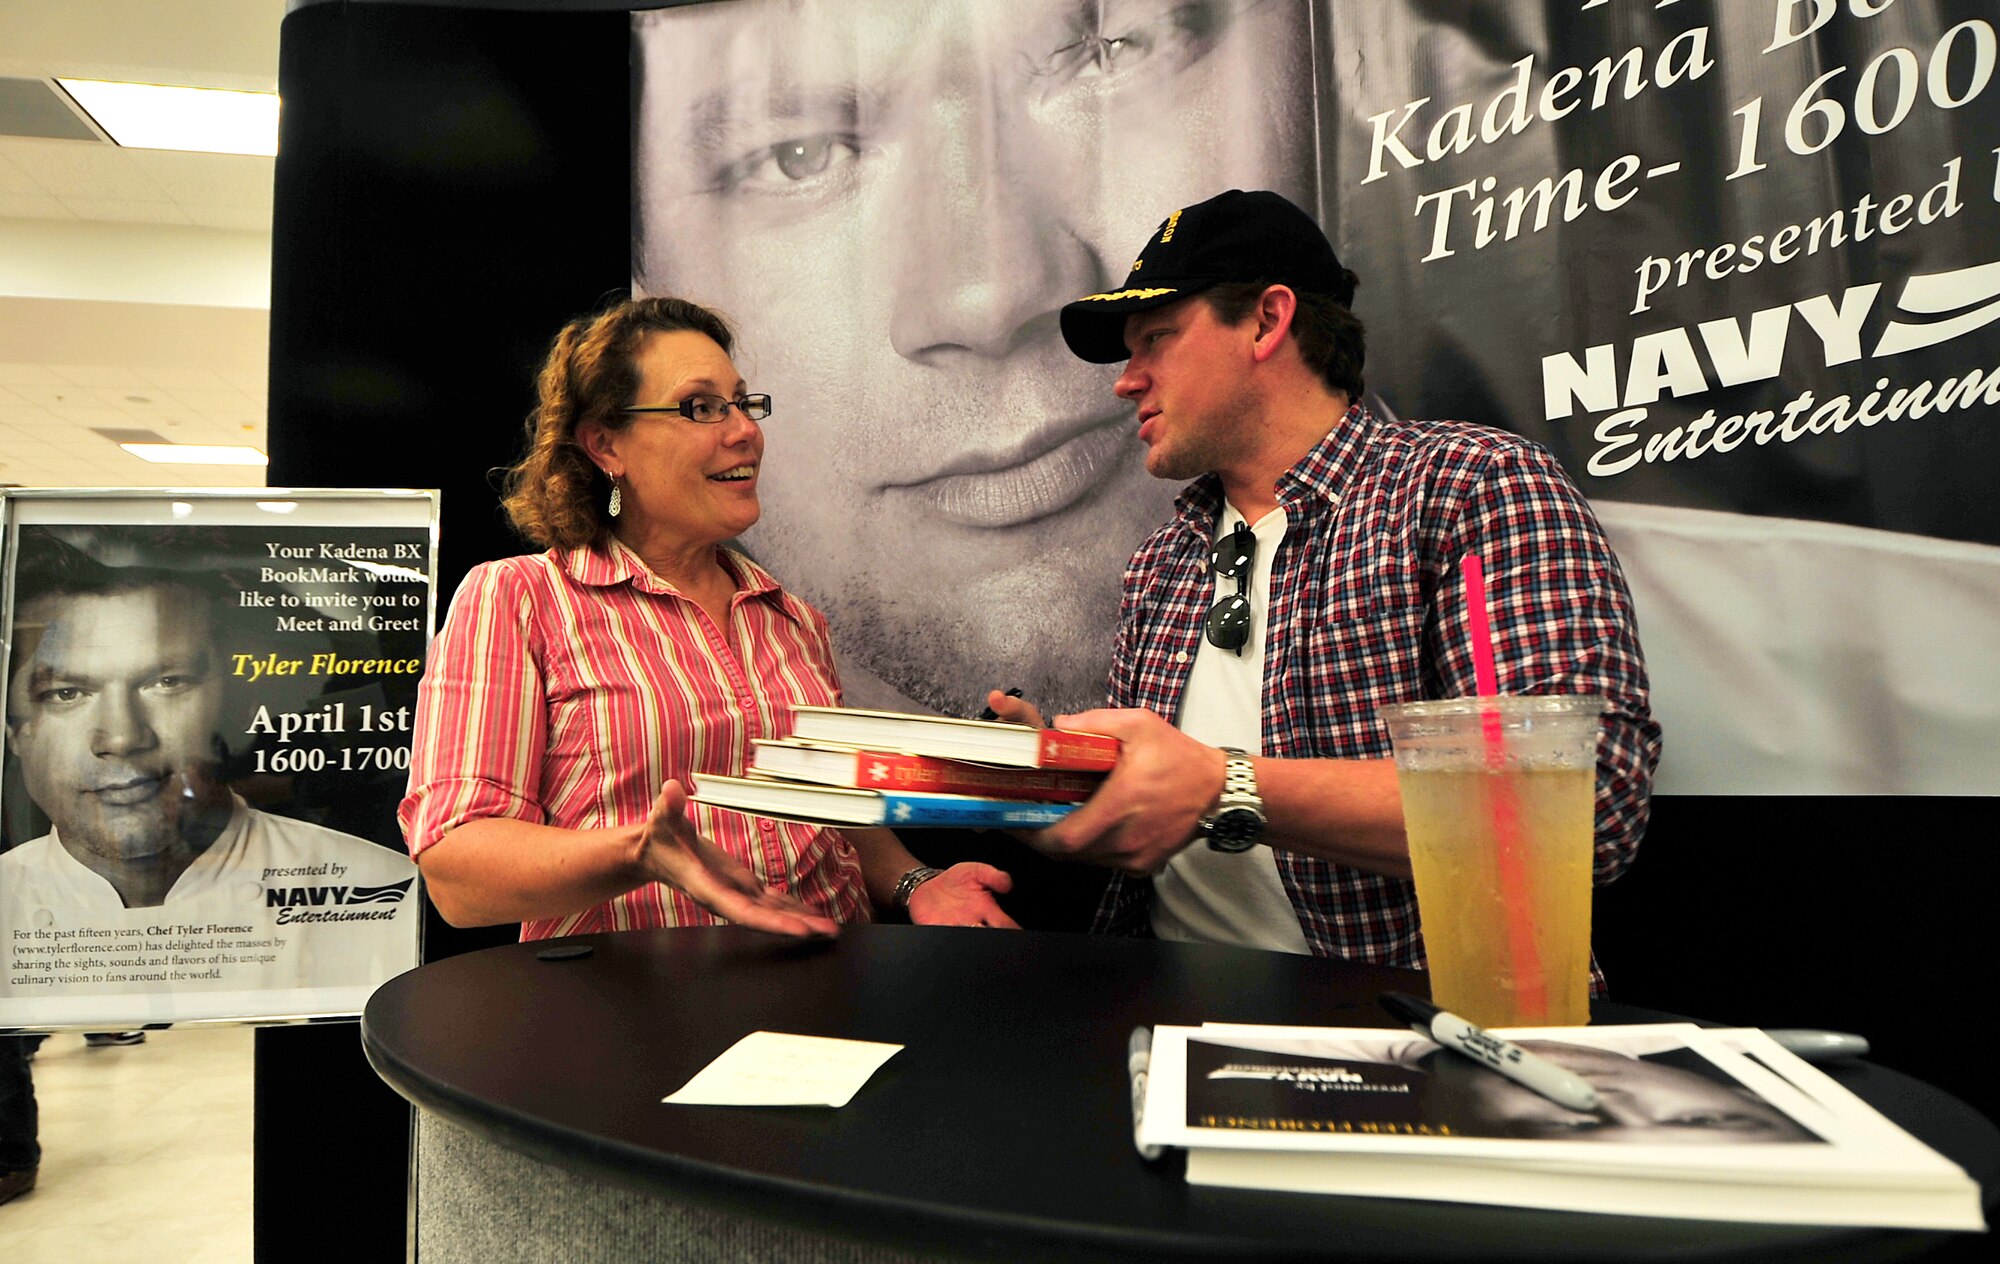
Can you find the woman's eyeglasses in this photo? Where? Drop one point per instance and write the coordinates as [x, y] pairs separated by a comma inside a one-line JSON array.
[[708, 410], [1228, 625]]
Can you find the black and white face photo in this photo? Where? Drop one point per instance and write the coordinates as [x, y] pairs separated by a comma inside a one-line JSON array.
[[891, 200]]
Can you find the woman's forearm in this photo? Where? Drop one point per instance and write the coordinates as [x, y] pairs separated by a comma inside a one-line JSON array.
[[497, 870], [884, 861]]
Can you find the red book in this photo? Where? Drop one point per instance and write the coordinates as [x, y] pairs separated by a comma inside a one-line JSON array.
[[862, 769], [980, 741]]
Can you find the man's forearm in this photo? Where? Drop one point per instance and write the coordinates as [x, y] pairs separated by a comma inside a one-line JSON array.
[[1344, 810]]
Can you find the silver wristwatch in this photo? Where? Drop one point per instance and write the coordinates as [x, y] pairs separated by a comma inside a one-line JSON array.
[[907, 885], [1237, 820]]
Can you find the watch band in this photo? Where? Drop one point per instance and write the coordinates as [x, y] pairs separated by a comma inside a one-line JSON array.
[[1239, 778], [1237, 820], [906, 886]]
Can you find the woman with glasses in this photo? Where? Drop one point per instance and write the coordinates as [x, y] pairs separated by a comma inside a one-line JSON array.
[[573, 694]]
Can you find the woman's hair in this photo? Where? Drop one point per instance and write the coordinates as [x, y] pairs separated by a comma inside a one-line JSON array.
[[555, 495]]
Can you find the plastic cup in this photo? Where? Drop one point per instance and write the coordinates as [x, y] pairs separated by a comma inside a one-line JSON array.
[[1498, 797]]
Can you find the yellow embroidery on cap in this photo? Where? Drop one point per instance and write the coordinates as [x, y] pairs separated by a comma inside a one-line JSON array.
[[1106, 298], [1138, 264], [1168, 234]]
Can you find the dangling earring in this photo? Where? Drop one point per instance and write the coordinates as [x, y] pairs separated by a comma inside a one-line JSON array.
[[617, 505]]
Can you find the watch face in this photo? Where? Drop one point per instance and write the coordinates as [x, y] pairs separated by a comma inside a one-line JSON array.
[[1235, 830]]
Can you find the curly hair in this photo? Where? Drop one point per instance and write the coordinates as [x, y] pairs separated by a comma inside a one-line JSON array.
[[555, 495]]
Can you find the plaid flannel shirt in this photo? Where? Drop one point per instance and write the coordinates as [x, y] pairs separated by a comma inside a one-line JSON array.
[[1364, 611]]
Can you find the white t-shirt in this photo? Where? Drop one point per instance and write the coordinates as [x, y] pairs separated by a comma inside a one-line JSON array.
[[279, 917], [1204, 895]]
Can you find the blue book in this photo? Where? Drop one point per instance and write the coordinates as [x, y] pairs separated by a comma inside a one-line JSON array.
[[835, 805]]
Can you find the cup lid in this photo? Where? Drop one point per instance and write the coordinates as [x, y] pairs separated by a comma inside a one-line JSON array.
[[1504, 704]]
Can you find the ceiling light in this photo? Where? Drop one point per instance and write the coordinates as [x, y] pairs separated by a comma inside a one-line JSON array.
[[195, 454], [156, 116]]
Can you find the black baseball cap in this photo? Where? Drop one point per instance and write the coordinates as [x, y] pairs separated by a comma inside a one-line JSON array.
[[1234, 236]]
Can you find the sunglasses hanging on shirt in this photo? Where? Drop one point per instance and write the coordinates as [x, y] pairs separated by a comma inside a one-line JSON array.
[[1228, 625]]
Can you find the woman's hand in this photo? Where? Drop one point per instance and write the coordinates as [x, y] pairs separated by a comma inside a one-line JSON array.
[[963, 896], [674, 852]]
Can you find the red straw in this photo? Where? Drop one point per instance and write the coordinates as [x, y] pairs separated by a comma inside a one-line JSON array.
[[1529, 988]]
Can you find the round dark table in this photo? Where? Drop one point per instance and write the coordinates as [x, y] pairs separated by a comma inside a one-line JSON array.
[[1002, 1130]]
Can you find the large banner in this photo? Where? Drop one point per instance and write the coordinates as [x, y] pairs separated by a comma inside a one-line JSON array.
[[1734, 264], [207, 731]]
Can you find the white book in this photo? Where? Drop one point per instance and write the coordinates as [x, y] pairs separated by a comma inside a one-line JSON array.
[[944, 737], [1695, 1123]]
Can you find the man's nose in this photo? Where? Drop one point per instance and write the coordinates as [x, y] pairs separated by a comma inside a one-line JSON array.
[[994, 239], [123, 727], [1131, 383]]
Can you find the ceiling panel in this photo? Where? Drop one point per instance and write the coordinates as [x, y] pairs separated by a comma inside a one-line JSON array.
[[67, 364]]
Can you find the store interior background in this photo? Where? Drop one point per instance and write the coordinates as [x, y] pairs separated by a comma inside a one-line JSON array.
[[136, 294], [134, 284], [134, 304]]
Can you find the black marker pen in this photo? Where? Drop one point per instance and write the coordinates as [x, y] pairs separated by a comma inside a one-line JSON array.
[[1565, 1088]]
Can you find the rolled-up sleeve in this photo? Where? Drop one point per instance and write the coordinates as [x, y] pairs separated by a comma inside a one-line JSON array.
[[481, 727], [1563, 624]]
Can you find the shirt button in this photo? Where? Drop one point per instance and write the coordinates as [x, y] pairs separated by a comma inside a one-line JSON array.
[[767, 825], [1181, 656]]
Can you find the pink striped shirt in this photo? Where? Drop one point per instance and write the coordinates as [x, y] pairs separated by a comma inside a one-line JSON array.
[[567, 686]]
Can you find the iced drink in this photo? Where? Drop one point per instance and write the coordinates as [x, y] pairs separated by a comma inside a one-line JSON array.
[[1497, 803]]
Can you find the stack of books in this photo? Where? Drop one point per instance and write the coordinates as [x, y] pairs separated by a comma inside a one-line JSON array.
[[851, 767], [1699, 1123]]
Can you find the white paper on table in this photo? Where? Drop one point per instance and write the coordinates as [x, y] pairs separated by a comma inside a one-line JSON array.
[[771, 1068]]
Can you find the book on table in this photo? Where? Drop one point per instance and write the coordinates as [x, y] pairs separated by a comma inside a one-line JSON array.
[[838, 805], [858, 768], [1695, 1123], [944, 737]]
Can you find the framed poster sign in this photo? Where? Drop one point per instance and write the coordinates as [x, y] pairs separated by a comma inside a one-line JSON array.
[[207, 732]]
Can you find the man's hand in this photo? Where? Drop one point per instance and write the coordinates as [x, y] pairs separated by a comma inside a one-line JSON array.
[[675, 853], [963, 896], [1149, 806], [1013, 708]]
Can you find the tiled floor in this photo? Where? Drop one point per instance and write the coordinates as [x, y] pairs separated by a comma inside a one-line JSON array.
[[145, 1152]]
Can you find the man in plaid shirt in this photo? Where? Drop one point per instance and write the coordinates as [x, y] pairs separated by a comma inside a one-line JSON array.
[[1310, 574]]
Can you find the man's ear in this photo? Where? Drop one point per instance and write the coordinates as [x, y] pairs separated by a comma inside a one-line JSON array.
[[1275, 309]]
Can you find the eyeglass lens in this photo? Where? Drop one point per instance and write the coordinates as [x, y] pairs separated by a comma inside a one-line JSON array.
[[1234, 555]]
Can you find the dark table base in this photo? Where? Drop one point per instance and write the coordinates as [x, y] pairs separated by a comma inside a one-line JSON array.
[[480, 1203]]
